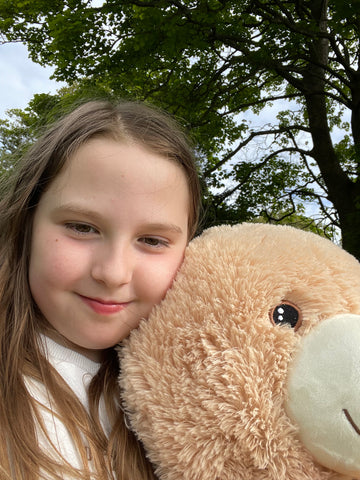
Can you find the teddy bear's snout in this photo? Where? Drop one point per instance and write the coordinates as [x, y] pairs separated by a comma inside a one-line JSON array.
[[323, 388]]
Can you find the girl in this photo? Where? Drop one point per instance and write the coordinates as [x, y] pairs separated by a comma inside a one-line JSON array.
[[93, 229]]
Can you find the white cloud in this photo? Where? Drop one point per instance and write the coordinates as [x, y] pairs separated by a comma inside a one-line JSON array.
[[21, 78]]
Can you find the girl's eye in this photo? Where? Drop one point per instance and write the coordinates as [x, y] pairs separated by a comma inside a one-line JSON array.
[[81, 228], [154, 242]]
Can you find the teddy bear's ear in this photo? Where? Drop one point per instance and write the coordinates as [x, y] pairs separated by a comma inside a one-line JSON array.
[[211, 382]]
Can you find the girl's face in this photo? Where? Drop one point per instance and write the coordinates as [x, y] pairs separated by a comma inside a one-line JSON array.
[[108, 237]]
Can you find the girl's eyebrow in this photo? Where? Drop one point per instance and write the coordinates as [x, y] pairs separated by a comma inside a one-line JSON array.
[[164, 227], [75, 209]]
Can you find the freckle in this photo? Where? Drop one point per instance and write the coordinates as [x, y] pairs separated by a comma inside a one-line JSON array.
[[56, 240]]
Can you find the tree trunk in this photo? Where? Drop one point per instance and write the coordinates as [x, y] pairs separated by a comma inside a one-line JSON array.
[[342, 191]]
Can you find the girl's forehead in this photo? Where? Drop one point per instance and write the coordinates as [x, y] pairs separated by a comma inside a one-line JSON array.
[[99, 158], [104, 175]]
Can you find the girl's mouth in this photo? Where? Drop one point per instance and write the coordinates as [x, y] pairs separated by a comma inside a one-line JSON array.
[[104, 307]]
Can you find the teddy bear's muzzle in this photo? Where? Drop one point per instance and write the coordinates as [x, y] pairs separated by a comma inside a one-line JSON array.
[[323, 387]]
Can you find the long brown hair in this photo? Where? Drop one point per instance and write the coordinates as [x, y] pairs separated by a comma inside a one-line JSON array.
[[21, 322]]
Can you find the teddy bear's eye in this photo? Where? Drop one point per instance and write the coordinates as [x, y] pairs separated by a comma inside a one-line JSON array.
[[286, 313]]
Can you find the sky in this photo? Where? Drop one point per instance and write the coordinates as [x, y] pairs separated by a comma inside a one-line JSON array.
[[21, 78]]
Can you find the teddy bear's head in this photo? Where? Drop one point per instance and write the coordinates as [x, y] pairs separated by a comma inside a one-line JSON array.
[[250, 367]]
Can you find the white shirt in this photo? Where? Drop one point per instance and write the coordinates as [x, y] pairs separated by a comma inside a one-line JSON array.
[[77, 370]]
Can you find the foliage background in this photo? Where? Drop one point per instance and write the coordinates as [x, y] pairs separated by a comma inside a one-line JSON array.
[[211, 63]]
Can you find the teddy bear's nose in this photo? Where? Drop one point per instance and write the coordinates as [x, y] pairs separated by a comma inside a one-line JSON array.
[[323, 388]]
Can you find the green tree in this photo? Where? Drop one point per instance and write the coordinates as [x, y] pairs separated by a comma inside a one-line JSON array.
[[21, 127], [211, 62]]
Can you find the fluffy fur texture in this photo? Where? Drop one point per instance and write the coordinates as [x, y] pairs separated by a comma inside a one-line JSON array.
[[204, 380]]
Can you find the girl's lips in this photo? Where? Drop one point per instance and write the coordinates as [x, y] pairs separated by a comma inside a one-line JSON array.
[[103, 307]]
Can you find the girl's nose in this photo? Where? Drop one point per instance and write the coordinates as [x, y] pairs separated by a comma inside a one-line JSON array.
[[113, 266]]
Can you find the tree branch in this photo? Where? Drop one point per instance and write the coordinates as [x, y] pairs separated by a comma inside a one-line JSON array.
[[253, 135]]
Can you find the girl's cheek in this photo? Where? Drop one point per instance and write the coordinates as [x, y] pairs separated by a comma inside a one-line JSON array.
[[167, 270], [57, 257]]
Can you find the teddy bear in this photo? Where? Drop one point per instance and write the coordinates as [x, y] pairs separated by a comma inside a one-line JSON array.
[[249, 369]]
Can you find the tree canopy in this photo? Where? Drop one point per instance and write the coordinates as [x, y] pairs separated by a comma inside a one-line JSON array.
[[211, 62]]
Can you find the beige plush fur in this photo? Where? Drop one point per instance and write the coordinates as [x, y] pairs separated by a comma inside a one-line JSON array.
[[204, 379]]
